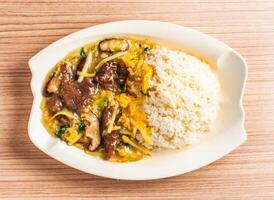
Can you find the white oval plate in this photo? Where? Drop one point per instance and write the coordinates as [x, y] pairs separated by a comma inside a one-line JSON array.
[[230, 133]]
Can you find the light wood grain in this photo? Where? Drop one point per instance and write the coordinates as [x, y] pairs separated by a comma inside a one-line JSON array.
[[27, 26]]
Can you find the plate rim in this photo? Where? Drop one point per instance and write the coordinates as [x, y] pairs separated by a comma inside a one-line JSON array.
[[119, 176]]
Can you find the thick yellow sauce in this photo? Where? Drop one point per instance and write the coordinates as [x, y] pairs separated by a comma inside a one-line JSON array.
[[133, 118]]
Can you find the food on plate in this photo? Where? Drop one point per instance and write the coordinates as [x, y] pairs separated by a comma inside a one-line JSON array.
[[183, 101], [122, 98]]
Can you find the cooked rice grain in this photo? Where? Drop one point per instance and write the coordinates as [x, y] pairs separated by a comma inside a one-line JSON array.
[[183, 98]]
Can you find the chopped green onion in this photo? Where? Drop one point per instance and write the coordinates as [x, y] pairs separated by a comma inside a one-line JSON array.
[[82, 52], [101, 103], [146, 48], [122, 87], [81, 127], [62, 130]]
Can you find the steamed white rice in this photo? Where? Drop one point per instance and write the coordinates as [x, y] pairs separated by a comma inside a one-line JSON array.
[[183, 101]]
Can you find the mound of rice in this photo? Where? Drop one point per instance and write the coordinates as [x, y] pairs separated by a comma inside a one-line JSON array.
[[183, 98]]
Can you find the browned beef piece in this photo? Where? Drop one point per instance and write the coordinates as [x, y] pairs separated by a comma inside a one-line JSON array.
[[111, 74], [71, 95], [77, 95], [122, 72], [105, 117], [107, 76], [54, 104], [66, 72], [88, 89], [111, 141]]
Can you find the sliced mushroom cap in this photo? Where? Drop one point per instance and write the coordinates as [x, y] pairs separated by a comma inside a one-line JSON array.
[[92, 132], [111, 141], [113, 45], [51, 86], [105, 118]]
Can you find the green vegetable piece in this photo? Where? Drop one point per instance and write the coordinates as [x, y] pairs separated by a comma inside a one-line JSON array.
[[122, 87], [101, 103], [82, 52], [146, 48], [62, 130], [81, 127]]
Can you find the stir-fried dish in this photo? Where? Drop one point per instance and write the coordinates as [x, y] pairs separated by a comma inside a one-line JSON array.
[[93, 99], [121, 98]]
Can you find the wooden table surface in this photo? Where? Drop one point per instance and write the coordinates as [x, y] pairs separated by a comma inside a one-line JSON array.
[[26, 26]]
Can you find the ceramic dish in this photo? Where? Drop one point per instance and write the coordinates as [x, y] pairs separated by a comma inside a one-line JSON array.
[[228, 134]]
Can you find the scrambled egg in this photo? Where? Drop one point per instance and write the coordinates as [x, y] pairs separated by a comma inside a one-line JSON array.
[[133, 119]]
